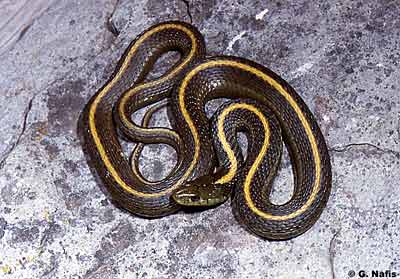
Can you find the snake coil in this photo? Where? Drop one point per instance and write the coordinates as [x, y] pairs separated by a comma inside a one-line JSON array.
[[210, 166]]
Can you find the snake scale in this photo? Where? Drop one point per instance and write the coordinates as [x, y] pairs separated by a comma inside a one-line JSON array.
[[210, 165]]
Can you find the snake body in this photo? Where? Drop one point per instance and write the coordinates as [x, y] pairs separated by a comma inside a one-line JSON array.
[[263, 106]]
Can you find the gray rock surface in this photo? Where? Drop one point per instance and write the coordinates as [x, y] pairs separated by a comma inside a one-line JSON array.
[[55, 222]]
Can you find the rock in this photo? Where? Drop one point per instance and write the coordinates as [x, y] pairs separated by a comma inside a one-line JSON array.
[[55, 222]]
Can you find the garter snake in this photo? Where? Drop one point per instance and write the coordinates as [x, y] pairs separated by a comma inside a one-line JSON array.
[[210, 167]]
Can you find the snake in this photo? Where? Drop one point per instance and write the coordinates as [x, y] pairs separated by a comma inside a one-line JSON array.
[[211, 165]]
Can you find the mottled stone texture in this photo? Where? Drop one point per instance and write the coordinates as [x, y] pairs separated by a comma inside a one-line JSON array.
[[55, 222]]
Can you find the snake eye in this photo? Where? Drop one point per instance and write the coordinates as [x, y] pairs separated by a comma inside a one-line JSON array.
[[195, 198]]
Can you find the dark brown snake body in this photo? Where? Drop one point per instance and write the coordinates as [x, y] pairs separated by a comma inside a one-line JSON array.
[[263, 106]]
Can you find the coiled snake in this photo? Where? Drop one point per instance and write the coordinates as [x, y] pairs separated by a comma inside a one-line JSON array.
[[210, 166]]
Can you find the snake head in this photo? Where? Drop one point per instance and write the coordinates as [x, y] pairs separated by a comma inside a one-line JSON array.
[[202, 192]]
